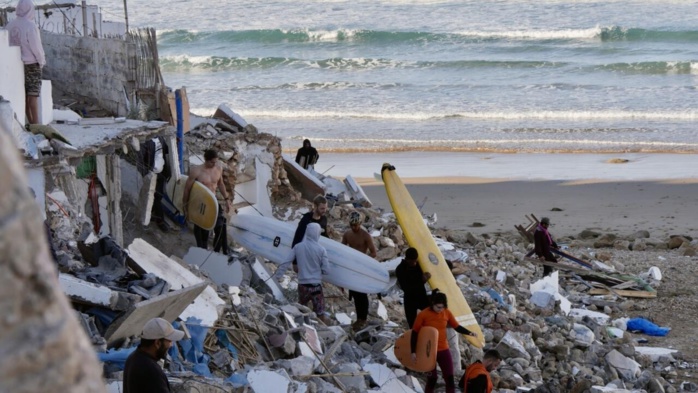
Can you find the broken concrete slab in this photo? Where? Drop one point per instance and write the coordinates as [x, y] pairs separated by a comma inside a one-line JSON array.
[[550, 284], [260, 271], [343, 318], [351, 375], [598, 317], [168, 306], [627, 368], [146, 196], [150, 259], [311, 337], [217, 265], [654, 353], [97, 295], [299, 367], [268, 381]]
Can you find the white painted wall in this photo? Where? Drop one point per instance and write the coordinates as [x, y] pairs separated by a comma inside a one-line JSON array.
[[12, 75], [12, 82], [46, 103]]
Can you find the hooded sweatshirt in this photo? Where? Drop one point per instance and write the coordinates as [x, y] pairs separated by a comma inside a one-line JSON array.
[[311, 256], [25, 34]]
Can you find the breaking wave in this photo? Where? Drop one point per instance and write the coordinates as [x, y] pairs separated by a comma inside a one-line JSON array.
[[301, 35]]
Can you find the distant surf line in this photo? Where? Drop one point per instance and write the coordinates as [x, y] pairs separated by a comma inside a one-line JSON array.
[[480, 115]]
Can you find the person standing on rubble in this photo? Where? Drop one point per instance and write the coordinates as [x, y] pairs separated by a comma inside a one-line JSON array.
[[307, 155], [543, 243], [312, 263], [360, 240], [477, 376], [210, 175], [317, 215], [440, 317], [25, 34], [142, 373], [411, 280]]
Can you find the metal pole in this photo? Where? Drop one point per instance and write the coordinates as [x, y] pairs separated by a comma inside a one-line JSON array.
[[180, 129], [126, 15], [84, 18]]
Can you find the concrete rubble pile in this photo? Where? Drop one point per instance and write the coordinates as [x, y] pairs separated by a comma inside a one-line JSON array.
[[265, 343], [244, 331]]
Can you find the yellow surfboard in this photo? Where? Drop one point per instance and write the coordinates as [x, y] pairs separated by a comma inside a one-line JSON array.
[[430, 258], [202, 208]]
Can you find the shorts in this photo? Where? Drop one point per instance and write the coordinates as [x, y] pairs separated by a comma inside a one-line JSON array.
[[32, 79], [312, 293]]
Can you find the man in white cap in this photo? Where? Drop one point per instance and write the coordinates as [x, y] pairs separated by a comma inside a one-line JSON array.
[[142, 373]]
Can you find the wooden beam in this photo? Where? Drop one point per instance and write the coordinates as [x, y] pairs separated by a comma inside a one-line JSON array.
[[624, 293]]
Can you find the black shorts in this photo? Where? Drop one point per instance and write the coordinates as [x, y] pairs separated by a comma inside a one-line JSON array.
[[32, 79]]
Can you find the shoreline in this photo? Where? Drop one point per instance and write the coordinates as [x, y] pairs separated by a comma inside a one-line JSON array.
[[619, 207], [487, 167]]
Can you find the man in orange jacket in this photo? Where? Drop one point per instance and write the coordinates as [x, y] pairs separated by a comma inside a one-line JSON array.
[[477, 375]]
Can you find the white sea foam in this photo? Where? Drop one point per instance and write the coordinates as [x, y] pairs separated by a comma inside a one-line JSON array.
[[590, 33]]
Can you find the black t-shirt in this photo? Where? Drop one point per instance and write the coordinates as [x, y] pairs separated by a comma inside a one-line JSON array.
[[142, 374], [305, 220], [411, 280]]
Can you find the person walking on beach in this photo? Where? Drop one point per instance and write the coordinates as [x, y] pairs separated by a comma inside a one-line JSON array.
[[477, 376], [307, 155], [25, 34], [311, 265], [210, 175], [440, 317], [543, 243], [142, 373], [358, 239], [411, 280]]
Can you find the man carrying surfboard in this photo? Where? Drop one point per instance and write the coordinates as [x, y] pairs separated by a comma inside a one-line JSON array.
[[358, 239], [438, 316], [411, 280], [312, 264], [210, 175], [317, 215], [307, 155]]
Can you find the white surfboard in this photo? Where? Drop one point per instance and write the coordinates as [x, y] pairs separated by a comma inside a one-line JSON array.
[[271, 239]]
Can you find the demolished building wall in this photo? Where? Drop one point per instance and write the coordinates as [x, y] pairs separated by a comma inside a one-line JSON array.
[[102, 71]]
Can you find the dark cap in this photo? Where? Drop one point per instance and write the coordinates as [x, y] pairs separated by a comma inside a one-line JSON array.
[[545, 220]]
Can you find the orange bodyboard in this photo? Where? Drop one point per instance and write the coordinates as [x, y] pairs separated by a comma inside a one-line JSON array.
[[427, 346]]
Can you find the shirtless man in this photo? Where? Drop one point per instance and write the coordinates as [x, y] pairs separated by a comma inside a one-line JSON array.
[[358, 239], [210, 175]]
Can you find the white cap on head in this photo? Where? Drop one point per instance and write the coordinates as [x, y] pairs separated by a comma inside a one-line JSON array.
[[158, 328]]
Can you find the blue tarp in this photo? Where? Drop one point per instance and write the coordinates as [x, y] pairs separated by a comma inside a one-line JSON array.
[[116, 357], [193, 348], [647, 327]]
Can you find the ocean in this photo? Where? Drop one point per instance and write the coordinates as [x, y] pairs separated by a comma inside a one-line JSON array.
[[444, 76]]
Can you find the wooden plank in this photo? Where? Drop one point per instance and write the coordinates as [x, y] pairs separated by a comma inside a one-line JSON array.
[[608, 278], [186, 124], [625, 285], [172, 105], [624, 293]]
